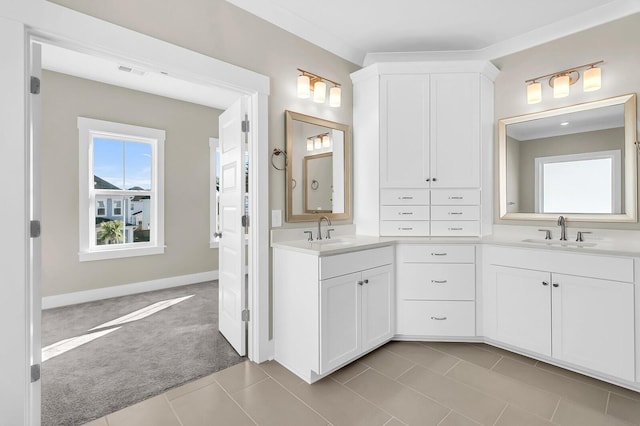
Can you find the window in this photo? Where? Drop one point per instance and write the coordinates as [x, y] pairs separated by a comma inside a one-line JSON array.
[[579, 183], [121, 170]]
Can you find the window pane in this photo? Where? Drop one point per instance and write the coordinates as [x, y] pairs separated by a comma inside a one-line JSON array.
[[578, 186], [139, 219], [109, 231], [137, 161], [107, 163]]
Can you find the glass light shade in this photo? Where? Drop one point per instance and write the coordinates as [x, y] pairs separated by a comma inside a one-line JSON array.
[[303, 87], [561, 86], [309, 144], [319, 92], [317, 142], [335, 96], [592, 79], [534, 93], [326, 141]]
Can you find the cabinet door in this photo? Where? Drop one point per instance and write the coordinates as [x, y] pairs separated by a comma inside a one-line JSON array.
[[520, 308], [593, 324], [377, 303], [455, 130], [339, 320], [404, 131]]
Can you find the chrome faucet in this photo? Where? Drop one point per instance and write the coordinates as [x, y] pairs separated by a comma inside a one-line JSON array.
[[562, 223], [320, 227]]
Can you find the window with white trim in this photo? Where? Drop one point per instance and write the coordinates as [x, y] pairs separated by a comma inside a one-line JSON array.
[[121, 190], [579, 183]]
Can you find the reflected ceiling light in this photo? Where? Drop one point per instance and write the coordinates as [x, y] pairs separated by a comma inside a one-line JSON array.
[[317, 142], [326, 141], [308, 82], [562, 80], [310, 144]]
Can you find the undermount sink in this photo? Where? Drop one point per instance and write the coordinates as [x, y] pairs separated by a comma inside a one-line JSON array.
[[334, 242], [556, 243]]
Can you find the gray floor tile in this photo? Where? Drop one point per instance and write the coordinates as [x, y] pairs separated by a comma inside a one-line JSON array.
[[202, 406], [340, 405], [423, 355], [624, 408], [155, 411], [467, 352], [240, 376], [280, 374], [270, 404], [476, 405], [407, 405], [348, 372], [102, 421], [570, 413], [456, 419], [579, 392], [532, 399], [514, 416], [508, 354], [387, 363], [190, 387], [395, 422]]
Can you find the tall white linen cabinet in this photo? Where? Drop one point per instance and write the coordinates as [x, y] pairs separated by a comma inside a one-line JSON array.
[[423, 138]]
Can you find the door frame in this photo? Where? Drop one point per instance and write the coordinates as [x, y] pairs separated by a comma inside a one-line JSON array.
[[56, 24]]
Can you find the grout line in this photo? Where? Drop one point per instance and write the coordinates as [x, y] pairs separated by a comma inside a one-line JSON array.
[[357, 375], [501, 413], [172, 409], [236, 402], [496, 363], [405, 371], [444, 418], [392, 419], [451, 368], [555, 410], [606, 406]]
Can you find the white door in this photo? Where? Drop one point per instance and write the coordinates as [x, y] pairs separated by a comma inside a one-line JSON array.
[[522, 308], [455, 130], [232, 294], [377, 302], [593, 324], [339, 320], [35, 246]]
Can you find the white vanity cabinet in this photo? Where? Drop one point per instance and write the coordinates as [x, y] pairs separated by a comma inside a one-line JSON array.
[[575, 308], [435, 291], [419, 128], [329, 310]]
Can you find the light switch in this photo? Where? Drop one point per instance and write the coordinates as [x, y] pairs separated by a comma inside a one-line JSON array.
[[276, 218]]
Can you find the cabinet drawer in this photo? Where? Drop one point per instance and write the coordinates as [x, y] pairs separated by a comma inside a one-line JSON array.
[[404, 213], [404, 228], [434, 318], [443, 197], [436, 281], [346, 263], [453, 228], [427, 253], [404, 196], [455, 212]]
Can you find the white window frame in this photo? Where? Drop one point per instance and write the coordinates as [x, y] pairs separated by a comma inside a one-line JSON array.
[[88, 129], [616, 170], [214, 146]]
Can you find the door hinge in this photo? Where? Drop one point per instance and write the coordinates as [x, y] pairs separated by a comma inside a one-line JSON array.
[[245, 315], [245, 220], [34, 229], [35, 373], [34, 86], [245, 124]]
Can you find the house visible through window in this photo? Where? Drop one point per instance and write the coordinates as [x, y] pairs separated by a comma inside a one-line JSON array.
[[121, 168], [579, 183]]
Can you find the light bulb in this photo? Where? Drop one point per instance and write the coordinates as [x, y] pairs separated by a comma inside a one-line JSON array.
[[319, 92], [534, 93], [303, 86]]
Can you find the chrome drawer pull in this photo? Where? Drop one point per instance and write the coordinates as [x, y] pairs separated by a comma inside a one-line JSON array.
[[405, 213], [405, 198], [439, 318], [439, 282], [455, 229], [405, 229], [455, 213], [456, 198], [438, 254]]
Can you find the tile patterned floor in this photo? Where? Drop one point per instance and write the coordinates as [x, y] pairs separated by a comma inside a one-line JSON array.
[[402, 383]]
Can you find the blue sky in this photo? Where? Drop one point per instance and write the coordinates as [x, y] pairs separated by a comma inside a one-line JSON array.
[[122, 163]]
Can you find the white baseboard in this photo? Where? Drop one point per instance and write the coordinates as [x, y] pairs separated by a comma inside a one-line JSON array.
[[125, 290]]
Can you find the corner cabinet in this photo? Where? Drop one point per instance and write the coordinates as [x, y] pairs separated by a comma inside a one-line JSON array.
[[573, 308], [421, 134], [329, 310]]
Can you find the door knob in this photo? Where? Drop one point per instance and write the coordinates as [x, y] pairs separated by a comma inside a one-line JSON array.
[[217, 234], [556, 285], [545, 283]]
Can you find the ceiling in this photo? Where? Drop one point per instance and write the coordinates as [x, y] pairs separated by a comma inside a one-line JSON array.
[[360, 30]]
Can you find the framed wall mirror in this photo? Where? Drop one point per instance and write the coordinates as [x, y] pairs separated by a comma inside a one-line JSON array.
[[318, 168], [578, 161]]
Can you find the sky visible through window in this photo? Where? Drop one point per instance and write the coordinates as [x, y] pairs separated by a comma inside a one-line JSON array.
[[124, 164]]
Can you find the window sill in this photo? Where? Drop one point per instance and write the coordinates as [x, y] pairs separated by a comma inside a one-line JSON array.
[[120, 253]]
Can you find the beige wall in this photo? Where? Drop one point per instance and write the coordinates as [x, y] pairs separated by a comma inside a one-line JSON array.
[[188, 128], [223, 31], [616, 43]]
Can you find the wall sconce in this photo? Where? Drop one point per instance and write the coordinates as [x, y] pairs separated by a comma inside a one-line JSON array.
[[562, 80], [308, 82]]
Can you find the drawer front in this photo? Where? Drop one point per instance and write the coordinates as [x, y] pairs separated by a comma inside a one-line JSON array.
[[444, 197], [436, 281], [455, 228], [404, 196], [455, 213], [427, 253], [346, 263], [404, 213], [434, 318], [404, 228]]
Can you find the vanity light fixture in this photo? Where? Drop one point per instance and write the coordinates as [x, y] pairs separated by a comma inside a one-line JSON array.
[[326, 141], [309, 144], [561, 81], [308, 82], [317, 142]]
